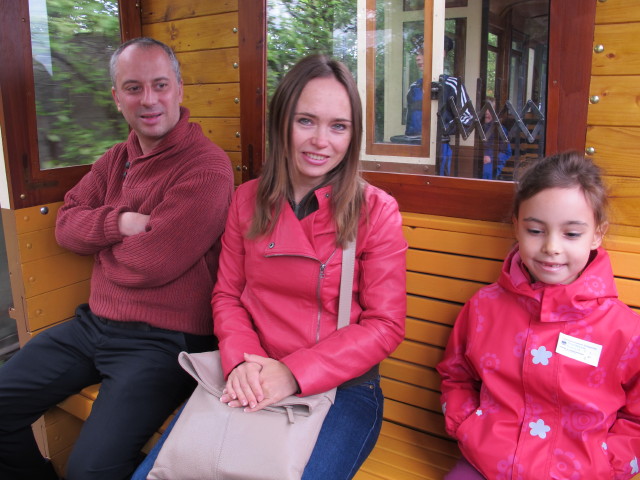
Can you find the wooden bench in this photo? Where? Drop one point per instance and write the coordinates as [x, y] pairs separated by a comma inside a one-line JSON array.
[[448, 260]]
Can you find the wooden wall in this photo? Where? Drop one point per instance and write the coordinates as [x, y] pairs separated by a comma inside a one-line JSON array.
[[204, 35], [613, 123]]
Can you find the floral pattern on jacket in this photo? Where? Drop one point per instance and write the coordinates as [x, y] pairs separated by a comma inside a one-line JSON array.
[[518, 404]]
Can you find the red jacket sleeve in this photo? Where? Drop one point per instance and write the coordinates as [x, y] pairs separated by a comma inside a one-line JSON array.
[[623, 442], [460, 382]]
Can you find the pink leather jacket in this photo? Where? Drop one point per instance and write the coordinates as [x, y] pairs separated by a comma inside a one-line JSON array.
[[277, 295]]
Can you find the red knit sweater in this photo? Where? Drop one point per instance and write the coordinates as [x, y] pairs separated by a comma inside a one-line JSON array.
[[164, 276]]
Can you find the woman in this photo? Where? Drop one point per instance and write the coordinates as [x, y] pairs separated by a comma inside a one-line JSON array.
[[275, 303]]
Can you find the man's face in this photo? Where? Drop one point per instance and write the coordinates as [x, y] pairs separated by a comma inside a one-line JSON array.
[[420, 60], [147, 93]]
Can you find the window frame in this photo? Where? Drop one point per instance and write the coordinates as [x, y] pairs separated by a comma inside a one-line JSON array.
[[28, 184], [571, 24], [385, 148]]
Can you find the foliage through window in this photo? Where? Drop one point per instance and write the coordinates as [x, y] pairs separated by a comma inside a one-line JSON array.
[[72, 41]]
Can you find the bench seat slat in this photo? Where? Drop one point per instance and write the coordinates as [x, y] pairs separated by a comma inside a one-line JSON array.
[[457, 266], [410, 394], [444, 288], [418, 375], [418, 418]]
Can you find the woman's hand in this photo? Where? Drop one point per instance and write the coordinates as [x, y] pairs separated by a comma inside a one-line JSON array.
[[276, 380], [268, 382], [243, 386]]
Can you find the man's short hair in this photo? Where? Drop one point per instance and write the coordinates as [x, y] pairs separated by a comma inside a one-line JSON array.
[[448, 44], [144, 42]]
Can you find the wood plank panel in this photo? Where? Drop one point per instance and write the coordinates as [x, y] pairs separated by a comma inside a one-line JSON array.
[[410, 394], [210, 66], [213, 100], [418, 353], [414, 417], [418, 375], [621, 55], [55, 272], [32, 218], [455, 224], [403, 443], [38, 244], [456, 266], [433, 310], [427, 332], [395, 452], [619, 103], [617, 151], [198, 33], [440, 287], [154, 11], [444, 446], [624, 196], [236, 164], [394, 472], [629, 291], [619, 11], [404, 468], [57, 305], [224, 132], [625, 264], [62, 430], [457, 242]]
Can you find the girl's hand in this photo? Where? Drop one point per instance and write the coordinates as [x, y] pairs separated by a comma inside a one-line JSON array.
[[276, 380], [243, 387]]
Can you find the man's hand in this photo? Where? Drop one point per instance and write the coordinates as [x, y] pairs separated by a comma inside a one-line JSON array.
[[132, 223]]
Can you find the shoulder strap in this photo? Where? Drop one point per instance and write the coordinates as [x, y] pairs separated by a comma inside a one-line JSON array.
[[346, 284]]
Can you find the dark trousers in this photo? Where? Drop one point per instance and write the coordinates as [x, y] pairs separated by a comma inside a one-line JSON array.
[[142, 383]]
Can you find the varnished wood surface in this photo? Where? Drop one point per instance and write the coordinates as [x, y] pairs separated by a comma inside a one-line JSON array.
[[621, 55], [155, 11], [618, 103], [618, 11]]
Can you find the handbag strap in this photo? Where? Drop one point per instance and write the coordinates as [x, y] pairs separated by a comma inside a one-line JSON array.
[[346, 284]]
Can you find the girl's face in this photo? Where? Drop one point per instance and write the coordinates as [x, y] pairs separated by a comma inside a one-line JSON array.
[[322, 130], [556, 231]]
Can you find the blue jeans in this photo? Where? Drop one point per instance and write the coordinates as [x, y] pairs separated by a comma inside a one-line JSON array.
[[445, 159], [348, 435], [142, 383]]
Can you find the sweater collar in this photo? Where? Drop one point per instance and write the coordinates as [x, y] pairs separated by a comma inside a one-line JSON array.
[[173, 137]]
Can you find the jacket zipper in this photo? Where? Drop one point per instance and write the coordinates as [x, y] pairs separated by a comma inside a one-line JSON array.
[[320, 278], [323, 265]]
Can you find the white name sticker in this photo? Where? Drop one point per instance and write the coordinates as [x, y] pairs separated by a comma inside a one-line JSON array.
[[578, 349]]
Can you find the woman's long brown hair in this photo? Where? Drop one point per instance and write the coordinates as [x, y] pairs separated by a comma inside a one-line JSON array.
[[275, 187]]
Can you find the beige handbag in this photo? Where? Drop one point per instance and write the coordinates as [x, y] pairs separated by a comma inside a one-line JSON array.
[[212, 441]]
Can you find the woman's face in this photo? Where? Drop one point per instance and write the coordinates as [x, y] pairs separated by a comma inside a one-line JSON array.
[[322, 130]]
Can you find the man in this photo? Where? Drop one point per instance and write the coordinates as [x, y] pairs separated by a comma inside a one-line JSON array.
[[453, 88], [151, 212], [414, 95]]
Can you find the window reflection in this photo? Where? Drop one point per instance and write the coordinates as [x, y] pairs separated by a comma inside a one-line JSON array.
[[489, 120], [71, 46]]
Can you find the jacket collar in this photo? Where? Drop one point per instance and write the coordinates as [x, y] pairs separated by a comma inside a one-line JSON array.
[[582, 296], [297, 237]]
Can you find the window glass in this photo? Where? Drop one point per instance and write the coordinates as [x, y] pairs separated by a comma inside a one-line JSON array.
[[72, 42], [297, 28], [463, 95]]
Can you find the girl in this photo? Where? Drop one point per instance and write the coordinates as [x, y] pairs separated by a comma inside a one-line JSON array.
[[540, 379]]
